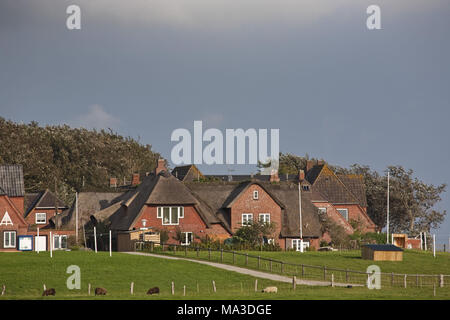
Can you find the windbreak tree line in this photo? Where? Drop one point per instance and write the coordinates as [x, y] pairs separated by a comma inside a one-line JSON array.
[[412, 204], [69, 159]]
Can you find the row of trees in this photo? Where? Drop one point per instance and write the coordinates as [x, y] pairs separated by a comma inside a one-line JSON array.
[[412, 201], [69, 159]]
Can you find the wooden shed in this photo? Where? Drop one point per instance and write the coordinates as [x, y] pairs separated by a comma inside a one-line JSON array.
[[382, 252]]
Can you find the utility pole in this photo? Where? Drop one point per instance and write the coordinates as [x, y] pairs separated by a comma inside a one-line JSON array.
[[300, 215], [387, 216], [76, 217]]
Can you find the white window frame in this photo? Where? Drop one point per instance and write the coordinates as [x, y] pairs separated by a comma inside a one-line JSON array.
[[346, 212], [265, 220], [186, 238], [296, 244], [59, 237], [322, 210], [247, 216], [36, 217], [10, 239], [255, 195], [180, 215]]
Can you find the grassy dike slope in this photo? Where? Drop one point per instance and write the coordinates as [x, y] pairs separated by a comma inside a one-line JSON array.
[[25, 273]]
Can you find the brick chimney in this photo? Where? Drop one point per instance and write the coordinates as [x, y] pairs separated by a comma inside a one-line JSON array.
[[309, 164], [135, 180], [161, 166], [301, 175], [113, 182], [274, 176]]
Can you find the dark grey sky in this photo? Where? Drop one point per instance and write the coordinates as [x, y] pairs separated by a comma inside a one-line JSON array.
[[310, 68]]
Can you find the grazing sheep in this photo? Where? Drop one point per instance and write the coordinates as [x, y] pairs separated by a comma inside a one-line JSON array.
[[154, 290], [100, 291], [270, 290], [49, 292]]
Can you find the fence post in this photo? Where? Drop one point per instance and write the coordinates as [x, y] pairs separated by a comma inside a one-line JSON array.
[[324, 272], [221, 255], [184, 290], [246, 259], [89, 289], [173, 288], [294, 282], [417, 280], [132, 288], [185, 251], [174, 249], [256, 285], [441, 281], [282, 267], [392, 279], [259, 262], [404, 280], [197, 251], [332, 280], [209, 253], [303, 270], [270, 265], [346, 275]]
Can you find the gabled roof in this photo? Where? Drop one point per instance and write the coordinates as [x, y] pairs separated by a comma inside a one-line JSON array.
[[43, 200], [327, 184], [187, 173], [160, 189], [241, 189], [11, 180], [355, 183]]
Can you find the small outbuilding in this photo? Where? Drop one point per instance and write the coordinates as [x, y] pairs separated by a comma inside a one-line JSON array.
[[382, 252]]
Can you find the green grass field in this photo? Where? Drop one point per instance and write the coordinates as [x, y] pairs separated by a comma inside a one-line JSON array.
[[25, 273]]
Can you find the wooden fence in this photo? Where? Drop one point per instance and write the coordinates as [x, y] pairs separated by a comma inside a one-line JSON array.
[[301, 271]]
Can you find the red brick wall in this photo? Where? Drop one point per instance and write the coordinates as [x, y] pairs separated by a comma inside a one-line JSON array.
[[18, 225], [191, 222], [355, 212], [31, 217], [335, 216], [265, 204], [19, 203]]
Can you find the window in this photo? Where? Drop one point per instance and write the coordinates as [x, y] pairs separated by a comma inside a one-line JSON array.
[[41, 218], [344, 213], [186, 238], [9, 239], [170, 215], [247, 218], [264, 217], [59, 242], [255, 195], [305, 188], [296, 244], [323, 210]]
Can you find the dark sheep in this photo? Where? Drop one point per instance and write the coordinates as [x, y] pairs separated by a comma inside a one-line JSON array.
[[154, 290], [100, 291], [49, 292]]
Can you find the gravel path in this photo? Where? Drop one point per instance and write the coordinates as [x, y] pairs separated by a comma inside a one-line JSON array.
[[254, 273]]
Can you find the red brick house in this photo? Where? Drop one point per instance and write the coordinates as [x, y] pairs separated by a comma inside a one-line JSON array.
[[341, 197], [22, 214], [192, 209]]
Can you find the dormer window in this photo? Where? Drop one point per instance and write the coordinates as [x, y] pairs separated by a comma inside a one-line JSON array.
[[41, 218], [170, 215], [305, 188], [255, 195]]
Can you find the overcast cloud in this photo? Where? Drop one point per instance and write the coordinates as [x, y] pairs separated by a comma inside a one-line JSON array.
[[310, 68]]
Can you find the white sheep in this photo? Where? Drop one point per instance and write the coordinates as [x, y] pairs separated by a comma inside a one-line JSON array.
[[270, 290]]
